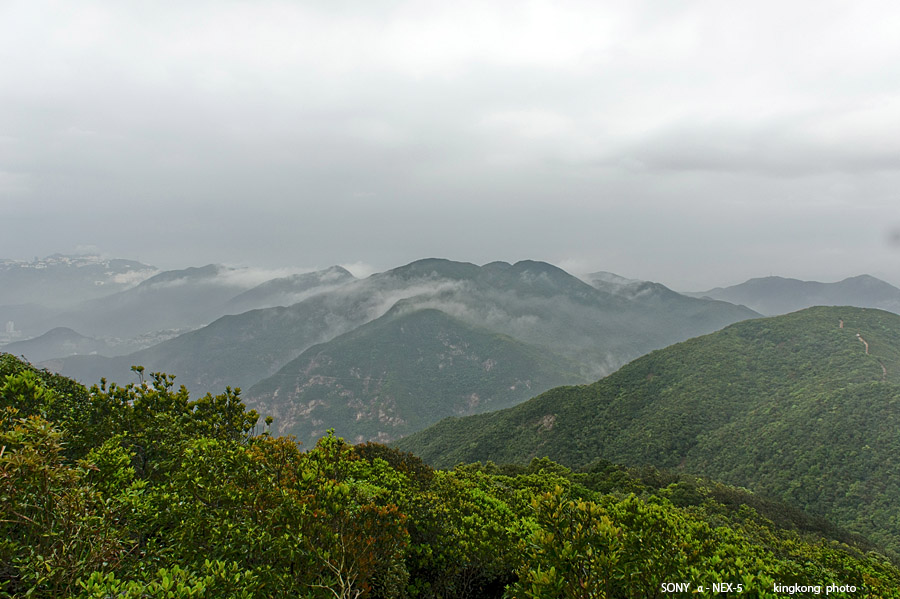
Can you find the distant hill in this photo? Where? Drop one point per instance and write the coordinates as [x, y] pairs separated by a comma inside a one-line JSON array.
[[776, 295], [400, 373], [532, 302], [56, 343], [61, 280], [32, 292], [186, 298], [804, 407], [234, 350], [286, 291]]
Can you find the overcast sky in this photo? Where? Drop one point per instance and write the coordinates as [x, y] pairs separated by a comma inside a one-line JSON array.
[[692, 143]]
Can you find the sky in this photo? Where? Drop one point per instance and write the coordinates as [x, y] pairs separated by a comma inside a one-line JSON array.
[[697, 144]]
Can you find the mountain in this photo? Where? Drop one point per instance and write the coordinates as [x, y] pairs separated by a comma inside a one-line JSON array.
[[234, 350], [804, 407], [400, 373], [376, 383], [174, 299], [656, 296], [609, 281], [61, 280], [32, 292], [191, 298], [55, 343], [534, 303], [777, 295], [286, 291]]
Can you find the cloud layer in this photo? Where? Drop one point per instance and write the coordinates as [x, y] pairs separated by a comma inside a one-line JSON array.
[[696, 143]]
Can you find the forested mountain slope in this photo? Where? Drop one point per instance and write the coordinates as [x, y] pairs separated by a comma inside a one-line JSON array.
[[402, 372], [804, 406]]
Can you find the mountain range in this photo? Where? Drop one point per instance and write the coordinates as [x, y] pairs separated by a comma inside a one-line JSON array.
[[324, 350], [444, 356], [778, 295], [464, 339], [505, 314], [804, 407], [33, 292]]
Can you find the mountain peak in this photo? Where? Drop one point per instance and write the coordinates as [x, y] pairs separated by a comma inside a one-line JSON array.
[[433, 268]]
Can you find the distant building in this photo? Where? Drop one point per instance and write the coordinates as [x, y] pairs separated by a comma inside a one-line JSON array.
[[10, 327]]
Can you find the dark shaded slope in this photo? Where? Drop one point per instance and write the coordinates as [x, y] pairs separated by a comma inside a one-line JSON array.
[[792, 406], [400, 373]]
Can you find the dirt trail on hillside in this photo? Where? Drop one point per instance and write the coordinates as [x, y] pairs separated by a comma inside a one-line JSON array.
[[866, 343], [858, 336]]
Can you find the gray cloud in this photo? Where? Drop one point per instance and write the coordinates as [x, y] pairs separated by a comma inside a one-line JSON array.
[[689, 143]]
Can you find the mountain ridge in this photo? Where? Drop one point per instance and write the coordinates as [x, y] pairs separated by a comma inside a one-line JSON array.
[[738, 405], [775, 295]]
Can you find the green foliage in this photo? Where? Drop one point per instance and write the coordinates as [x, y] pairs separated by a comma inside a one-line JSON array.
[[214, 579], [54, 526], [178, 498], [792, 407]]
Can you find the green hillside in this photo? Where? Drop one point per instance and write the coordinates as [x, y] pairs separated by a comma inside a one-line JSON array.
[[805, 407], [401, 373], [141, 491]]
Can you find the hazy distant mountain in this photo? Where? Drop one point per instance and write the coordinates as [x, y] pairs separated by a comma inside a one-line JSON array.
[[777, 295], [286, 291], [657, 296], [400, 373], [174, 299], [609, 282], [56, 343], [32, 292], [60, 280], [238, 350], [533, 303], [802, 406]]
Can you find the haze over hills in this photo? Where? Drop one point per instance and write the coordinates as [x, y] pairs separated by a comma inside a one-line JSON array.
[[582, 332], [175, 299], [61, 280], [167, 305], [377, 384], [402, 372], [32, 292], [286, 291], [60, 341], [804, 407], [778, 295], [234, 350]]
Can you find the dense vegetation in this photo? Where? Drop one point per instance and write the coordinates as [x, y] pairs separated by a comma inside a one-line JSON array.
[[140, 491], [804, 407], [401, 373]]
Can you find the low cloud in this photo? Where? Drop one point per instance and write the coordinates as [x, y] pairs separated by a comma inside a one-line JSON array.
[[359, 269]]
